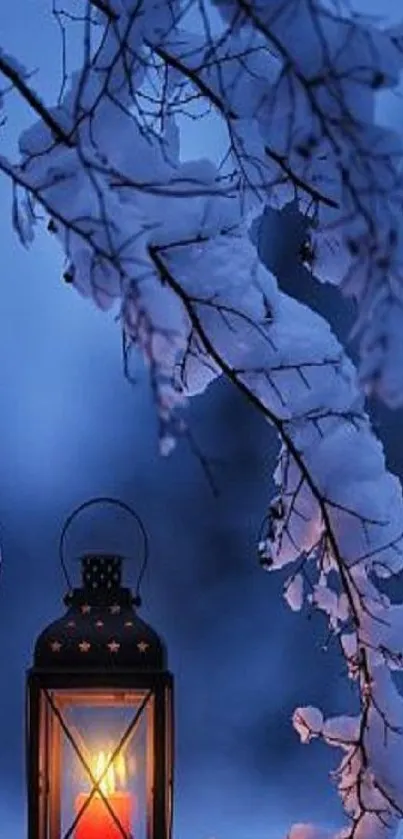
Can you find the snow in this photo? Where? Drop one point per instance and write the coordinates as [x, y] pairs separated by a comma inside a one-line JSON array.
[[308, 831], [294, 592]]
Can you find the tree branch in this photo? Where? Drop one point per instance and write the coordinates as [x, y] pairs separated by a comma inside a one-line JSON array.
[[230, 373], [35, 103], [229, 114], [103, 7], [308, 188]]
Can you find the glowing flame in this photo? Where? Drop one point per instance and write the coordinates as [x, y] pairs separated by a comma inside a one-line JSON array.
[[112, 776]]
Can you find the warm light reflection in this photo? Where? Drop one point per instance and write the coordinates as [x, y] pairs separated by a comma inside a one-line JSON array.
[[112, 777]]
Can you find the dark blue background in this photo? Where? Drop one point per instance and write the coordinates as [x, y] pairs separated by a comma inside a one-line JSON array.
[[70, 428]]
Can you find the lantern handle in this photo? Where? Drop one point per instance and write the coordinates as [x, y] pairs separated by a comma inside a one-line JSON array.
[[127, 509]]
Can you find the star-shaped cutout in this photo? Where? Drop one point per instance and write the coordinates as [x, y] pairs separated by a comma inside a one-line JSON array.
[[142, 646], [113, 647], [55, 646], [115, 609], [84, 646], [85, 609], [99, 624]]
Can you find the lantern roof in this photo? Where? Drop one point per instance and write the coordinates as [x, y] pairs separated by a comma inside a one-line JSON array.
[[100, 629]]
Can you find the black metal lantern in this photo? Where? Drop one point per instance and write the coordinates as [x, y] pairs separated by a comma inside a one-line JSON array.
[[99, 717]]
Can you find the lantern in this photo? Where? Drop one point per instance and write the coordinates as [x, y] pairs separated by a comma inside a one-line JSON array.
[[99, 717]]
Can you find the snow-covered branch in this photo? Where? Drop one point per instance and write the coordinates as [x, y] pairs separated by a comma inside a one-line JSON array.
[[337, 507]]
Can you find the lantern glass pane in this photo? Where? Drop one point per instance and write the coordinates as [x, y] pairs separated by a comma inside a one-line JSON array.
[[100, 757]]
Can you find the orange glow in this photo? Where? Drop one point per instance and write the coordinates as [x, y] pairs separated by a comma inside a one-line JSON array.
[[97, 822], [112, 777]]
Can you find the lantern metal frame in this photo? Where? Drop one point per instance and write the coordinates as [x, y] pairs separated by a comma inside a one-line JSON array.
[[43, 797], [100, 649]]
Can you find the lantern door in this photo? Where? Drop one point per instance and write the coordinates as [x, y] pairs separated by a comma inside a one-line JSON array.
[[99, 760]]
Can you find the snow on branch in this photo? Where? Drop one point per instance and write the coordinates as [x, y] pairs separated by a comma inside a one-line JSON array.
[[165, 243], [297, 85], [338, 513]]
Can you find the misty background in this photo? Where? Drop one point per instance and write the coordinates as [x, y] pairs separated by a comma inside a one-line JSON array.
[[71, 428]]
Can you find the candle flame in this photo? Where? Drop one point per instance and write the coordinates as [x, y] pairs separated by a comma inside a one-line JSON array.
[[112, 776]]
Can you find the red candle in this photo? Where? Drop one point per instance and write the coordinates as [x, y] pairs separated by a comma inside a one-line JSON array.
[[97, 821]]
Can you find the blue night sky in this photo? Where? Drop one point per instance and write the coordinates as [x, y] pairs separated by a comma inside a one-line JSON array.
[[71, 428]]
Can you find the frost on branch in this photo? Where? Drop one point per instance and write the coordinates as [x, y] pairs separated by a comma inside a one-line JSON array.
[[164, 242]]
